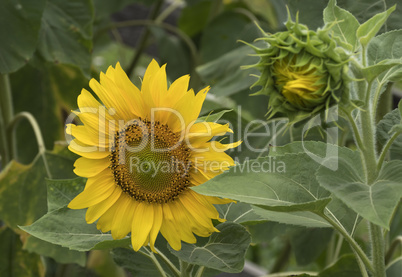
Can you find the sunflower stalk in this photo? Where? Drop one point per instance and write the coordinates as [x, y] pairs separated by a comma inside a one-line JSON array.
[[7, 112]]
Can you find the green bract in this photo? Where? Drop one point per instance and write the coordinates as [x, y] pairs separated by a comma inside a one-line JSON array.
[[302, 71]]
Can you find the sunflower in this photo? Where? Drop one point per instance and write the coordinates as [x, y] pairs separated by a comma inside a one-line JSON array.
[[142, 151]]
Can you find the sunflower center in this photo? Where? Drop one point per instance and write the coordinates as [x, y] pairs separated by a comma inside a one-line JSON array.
[[149, 162]]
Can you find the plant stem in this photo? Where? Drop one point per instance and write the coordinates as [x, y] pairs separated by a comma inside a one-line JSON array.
[[371, 170], [200, 271], [358, 251], [282, 259], [185, 269], [6, 99], [377, 250], [171, 266], [7, 112], [385, 150], [392, 248], [151, 255], [356, 132], [142, 42], [38, 135], [4, 153]]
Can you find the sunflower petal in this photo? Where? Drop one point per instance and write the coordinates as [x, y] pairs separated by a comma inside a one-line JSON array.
[[142, 224]]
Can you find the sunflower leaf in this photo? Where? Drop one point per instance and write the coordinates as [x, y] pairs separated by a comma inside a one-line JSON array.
[[67, 227], [223, 251], [375, 202], [19, 31], [284, 187], [23, 188]]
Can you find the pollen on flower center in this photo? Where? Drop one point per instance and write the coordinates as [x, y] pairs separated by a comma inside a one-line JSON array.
[[297, 81], [149, 162]]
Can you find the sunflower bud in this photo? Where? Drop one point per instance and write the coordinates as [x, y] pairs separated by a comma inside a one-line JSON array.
[[302, 71]]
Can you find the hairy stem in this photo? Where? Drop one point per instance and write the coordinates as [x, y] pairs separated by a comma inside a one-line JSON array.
[[377, 250], [385, 150]]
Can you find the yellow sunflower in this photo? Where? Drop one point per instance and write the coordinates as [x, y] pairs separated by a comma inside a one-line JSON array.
[[141, 151]]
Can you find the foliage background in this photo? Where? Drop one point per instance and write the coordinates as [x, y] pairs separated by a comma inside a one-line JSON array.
[[51, 48]]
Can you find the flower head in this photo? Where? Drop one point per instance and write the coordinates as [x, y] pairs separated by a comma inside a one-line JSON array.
[[302, 71], [142, 151]]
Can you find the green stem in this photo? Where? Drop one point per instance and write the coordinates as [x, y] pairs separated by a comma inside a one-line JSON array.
[[166, 12], [356, 132], [370, 162], [142, 42], [185, 269], [385, 150], [6, 99], [358, 251], [4, 153], [151, 255], [368, 137], [392, 248], [362, 268], [377, 250], [200, 271], [38, 135], [7, 112], [382, 102], [169, 264]]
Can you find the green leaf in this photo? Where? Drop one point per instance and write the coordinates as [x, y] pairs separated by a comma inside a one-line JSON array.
[[222, 33], [56, 252], [373, 71], [238, 212], [194, 18], [223, 251], [322, 152], [375, 203], [66, 33], [14, 261], [308, 244], [370, 28], [174, 53], [385, 46], [384, 133], [278, 184], [61, 192], [282, 183], [344, 24], [19, 31], [225, 75], [67, 227], [23, 188], [395, 268], [346, 266], [306, 219], [212, 117]]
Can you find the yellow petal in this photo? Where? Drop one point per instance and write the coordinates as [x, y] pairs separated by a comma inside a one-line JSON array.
[[87, 151], [141, 225], [121, 225], [106, 220], [97, 210], [158, 216], [169, 229], [90, 167], [92, 195], [182, 222]]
